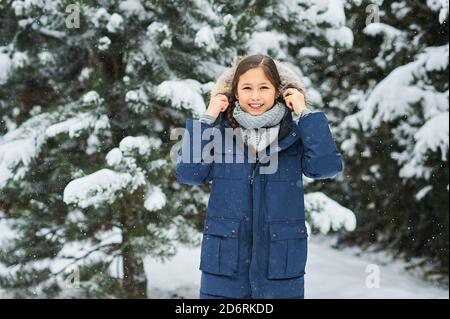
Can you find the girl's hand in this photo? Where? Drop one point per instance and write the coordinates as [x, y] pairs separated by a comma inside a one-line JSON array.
[[295, 100], [217, 104]]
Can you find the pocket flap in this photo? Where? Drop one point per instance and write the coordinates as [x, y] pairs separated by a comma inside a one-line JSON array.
[[221, 227], [283, 231]]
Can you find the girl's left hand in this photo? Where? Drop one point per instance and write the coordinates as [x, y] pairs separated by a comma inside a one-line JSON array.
[[295, 100]]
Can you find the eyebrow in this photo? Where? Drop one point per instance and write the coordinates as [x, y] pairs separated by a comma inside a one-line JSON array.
[[266, 83]]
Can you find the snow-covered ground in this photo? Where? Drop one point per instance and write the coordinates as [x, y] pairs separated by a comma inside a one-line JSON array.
[[330, 274]]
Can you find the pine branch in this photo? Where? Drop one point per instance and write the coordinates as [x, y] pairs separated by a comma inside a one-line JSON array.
[[75, 260]]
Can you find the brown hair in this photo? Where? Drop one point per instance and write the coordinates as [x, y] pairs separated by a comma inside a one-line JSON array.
[[269, 68]]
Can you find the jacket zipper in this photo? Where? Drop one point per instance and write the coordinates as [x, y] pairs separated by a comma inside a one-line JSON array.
[[254, 170], [251, 226]]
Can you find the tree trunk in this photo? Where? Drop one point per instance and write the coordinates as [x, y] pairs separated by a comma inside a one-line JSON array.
[[134, 280]]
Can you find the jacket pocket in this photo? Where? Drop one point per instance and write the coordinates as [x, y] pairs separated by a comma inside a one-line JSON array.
[[220, 246], [287, 250]]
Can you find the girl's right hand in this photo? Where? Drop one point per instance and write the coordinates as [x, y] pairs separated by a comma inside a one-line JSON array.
[[217, 104]]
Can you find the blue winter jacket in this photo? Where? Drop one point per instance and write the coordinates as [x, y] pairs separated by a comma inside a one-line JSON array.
[[254, 238]]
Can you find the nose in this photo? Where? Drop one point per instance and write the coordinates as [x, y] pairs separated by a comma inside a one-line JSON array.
[[254, 97]]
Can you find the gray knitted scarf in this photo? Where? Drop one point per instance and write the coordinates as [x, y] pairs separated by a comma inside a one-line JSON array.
[[259, 131], [268, 119]]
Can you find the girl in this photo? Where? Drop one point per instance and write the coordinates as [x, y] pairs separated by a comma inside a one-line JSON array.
[[255, 238]]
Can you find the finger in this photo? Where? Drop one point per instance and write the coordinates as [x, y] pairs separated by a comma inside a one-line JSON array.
[[219, 96], [287, 92], [289, 104], [292, 91], [222, 98]]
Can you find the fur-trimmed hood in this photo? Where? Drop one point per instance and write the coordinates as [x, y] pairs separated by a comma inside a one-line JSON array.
[[288, 79]]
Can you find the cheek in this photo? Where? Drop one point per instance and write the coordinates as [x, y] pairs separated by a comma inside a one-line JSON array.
[[270, 95], [243, 102], [243, 95], [269, 98]]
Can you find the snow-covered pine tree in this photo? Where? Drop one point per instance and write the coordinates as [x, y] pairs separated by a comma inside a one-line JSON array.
[[86, 113], [392, 90]]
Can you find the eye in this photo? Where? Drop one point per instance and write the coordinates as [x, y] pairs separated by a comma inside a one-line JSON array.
[[246, 88], [264, 87]]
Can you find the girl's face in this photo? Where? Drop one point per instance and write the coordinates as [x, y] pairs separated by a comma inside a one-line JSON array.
[[255, 93]]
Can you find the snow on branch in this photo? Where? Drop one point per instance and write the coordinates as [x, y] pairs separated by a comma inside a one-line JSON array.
[[433, 136], [183, 94], [155, 199], [79, 123], [20, 146], [326, 214], [331, 13], [405, 95], [103, 186], [82, 121], [107, 185], [394, 96], [142, 144]]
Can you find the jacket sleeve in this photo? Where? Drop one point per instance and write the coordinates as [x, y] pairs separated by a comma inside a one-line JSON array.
[[191, 169], [320, 157]]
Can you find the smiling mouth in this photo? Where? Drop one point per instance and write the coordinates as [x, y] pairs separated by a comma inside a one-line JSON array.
[[256, 106]]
